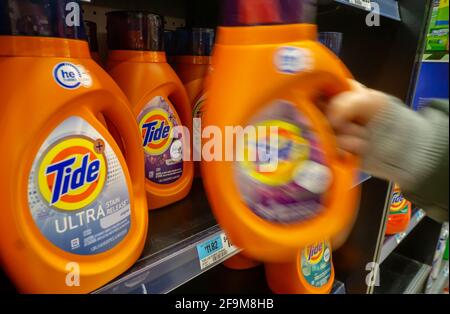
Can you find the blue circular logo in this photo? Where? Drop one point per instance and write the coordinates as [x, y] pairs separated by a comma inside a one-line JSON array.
[[67, 75]]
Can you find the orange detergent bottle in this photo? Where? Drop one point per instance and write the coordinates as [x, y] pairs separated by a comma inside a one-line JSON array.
[[74, 212], [192, 62], [311, 273], [296, 189], [159, 102], [91, 33], [399, 213]]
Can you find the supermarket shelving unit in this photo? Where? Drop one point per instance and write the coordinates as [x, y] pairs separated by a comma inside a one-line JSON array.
[[171, 257], [381, 57]]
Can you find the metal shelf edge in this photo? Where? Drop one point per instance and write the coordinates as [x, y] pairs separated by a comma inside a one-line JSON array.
[[165, 270], [388, 8], [391, 242]]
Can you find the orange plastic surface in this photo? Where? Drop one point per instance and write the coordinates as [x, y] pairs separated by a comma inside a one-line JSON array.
[[143, 75], [398, 222], [240, 262], [245, 78], [287, 278], [33, 105]]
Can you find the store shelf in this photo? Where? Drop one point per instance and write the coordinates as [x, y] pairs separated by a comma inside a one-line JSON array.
[[170, 257], [402, 275], [388, 8], [363, 177], [222, 280], [391, 242]]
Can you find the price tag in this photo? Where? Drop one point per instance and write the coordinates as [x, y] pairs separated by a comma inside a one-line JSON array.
[[419, 215], [213, 250], [227, 245], [365, 4], [399, 237]]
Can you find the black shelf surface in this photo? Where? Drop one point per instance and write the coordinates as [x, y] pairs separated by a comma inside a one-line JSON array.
[[392, 242], [222, 280], [402, 275], [170, 256]]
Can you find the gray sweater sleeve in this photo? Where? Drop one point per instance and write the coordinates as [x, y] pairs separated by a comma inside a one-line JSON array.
[[411, 149]]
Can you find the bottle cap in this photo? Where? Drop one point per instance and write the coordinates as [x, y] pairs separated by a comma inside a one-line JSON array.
[[267, 12], [135, 30]]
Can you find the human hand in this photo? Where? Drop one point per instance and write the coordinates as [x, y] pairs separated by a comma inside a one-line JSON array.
[[349, 113]]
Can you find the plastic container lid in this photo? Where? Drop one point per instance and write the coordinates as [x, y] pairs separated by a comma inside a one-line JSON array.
[[194, 42], [267, 12], [91, 33], [47, 18], [135, 30]]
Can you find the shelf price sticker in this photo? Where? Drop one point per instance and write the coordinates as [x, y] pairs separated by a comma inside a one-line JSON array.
[[399, 237], [365, 4], [419, 215], [227, 245], [215, 249]]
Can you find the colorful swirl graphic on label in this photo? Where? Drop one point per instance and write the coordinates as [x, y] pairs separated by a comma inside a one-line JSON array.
[[399, 204], [283, 177], [162, 142], [77, 190], [316, 264]]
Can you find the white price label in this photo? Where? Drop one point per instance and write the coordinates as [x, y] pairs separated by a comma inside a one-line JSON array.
[[227, 245], [399, 237], [365, 4], [419, 215], [214, 250]]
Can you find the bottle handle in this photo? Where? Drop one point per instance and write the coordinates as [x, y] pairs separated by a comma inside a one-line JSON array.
[[307, 96], [118, 118]]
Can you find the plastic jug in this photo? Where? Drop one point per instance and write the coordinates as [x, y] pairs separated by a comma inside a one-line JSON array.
[[74, 212], [137, 62], [311, 273], [268, 58], [192, 62], [399, 213]]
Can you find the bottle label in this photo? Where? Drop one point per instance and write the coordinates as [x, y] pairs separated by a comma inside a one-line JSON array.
[[162, 141], [77, 190], [197, 114], [316, 264], [289, 180], [399, 204], [199, 108]]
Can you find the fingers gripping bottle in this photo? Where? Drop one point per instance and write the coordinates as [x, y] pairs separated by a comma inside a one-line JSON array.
[[311, 273], [74, 212], [158, 99], [399, 213], [291, 188]]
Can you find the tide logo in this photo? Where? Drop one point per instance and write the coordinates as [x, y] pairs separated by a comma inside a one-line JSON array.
[[314, 253], [287, 153], [156, 129], [72, 173], [398, 201]]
